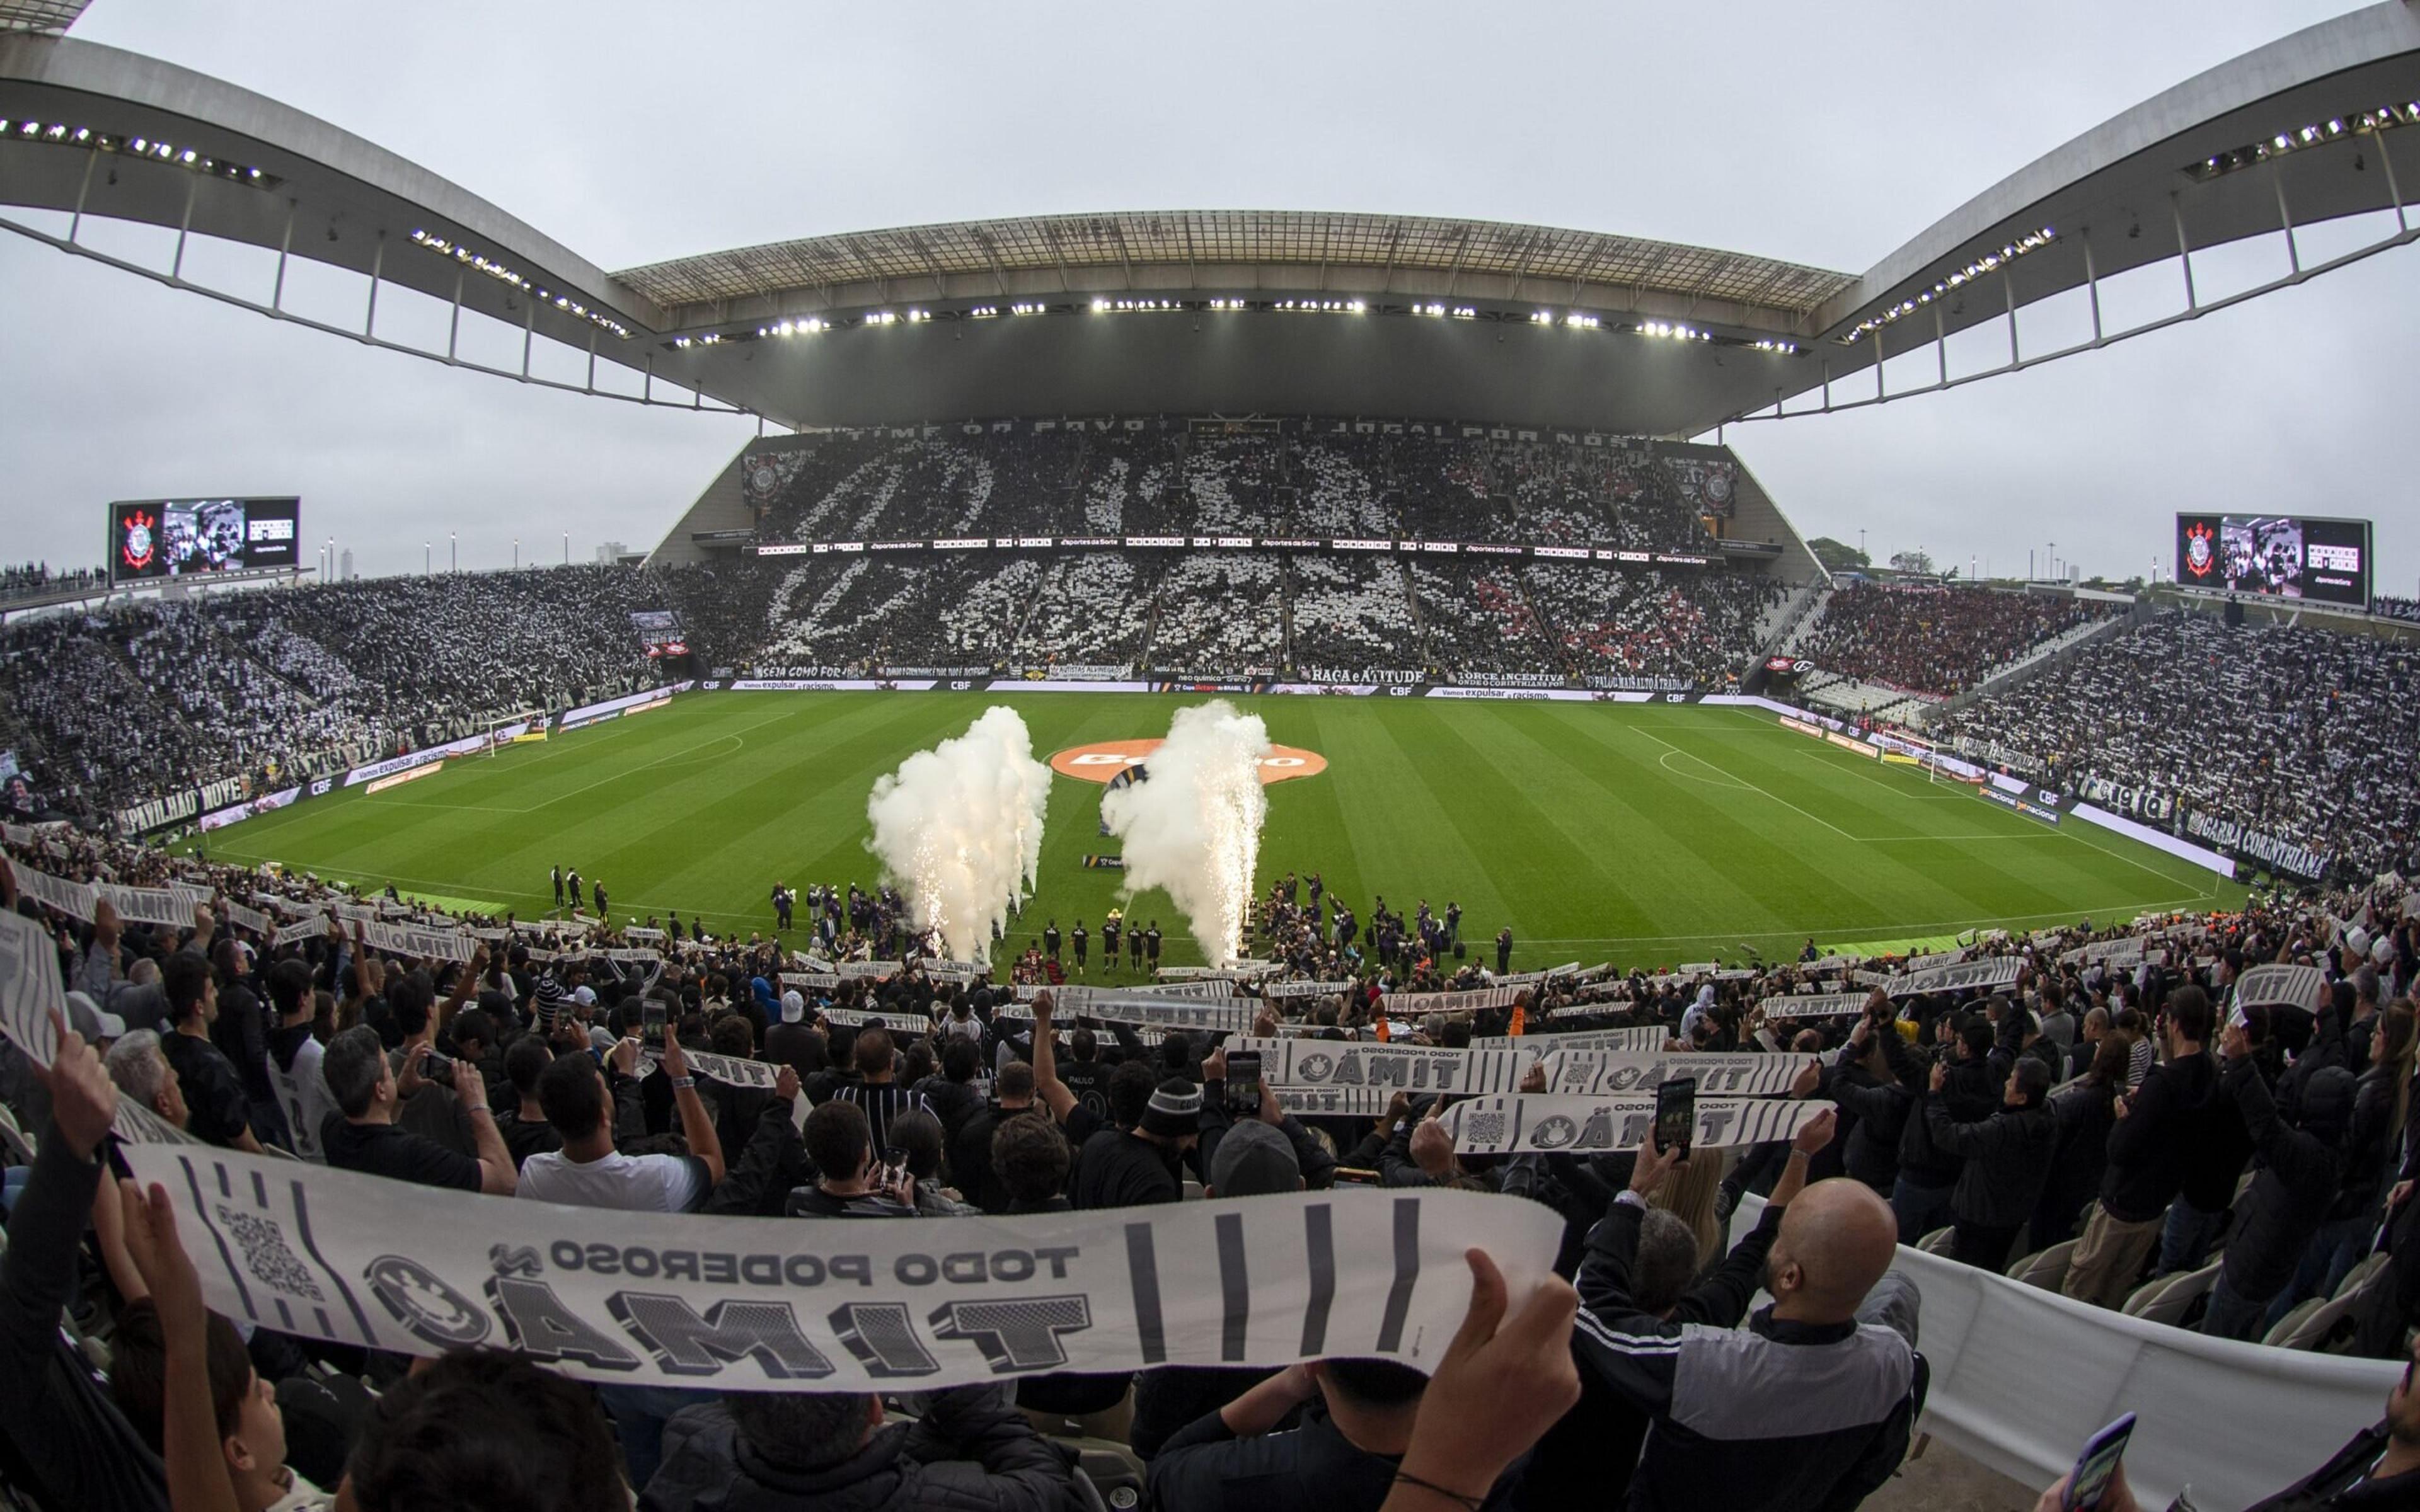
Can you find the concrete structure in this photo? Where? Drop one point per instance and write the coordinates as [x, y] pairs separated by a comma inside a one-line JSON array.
[[1229, 311]]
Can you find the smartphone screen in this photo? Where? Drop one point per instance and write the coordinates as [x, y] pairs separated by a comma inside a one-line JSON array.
[[2095, 1464], [435, 1068], [1243, 1081], [894, 1163], [652, 1015], [1676, 1113]]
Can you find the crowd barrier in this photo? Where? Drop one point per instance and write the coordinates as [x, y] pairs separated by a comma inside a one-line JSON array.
[[2023, 1376]]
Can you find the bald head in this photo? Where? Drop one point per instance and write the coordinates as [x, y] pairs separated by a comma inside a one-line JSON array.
[[1837, 1240]]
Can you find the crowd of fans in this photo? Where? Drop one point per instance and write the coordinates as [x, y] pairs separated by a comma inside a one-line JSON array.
[[1934, 641], [35, 579], [2394, 608], [2298, 734], [129, 699], [2114, 1120], [1164, 479]]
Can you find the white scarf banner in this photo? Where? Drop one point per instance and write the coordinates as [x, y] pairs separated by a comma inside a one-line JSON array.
[[1644, 1037], [816, 981], [1812, 1004], [1334, 1101], [251, 919], [73, 899], [729, 1303], [1277, 989], [1719, 1073], [1317, 1063], [1548, 1124], [412, 941], [162, 906], [1075, 993], [2282, 986], [639, 953], [857, 1018], [355, 912], [1241, 971], [1233, 1017], [1412, 1005], [1531, 979], [2002, 971], [302, 928], [30, 990]]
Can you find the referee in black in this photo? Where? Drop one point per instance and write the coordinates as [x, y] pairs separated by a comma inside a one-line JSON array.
[[1083, 942]]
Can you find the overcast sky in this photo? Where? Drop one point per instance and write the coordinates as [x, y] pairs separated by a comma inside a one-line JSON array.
[[1825, 134]]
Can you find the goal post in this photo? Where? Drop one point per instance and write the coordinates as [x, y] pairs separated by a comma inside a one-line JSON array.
[[501, 728]]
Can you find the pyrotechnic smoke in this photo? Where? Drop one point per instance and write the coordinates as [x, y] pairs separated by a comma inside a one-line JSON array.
[[1193, 826], [958, 829]]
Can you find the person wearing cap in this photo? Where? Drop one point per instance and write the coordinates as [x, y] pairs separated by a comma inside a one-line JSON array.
[[98, 1027], [1309, 1166], [1136, 1163], [1251, 1158]]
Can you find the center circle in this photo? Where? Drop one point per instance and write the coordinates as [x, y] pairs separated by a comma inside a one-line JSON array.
[[1105, 759]]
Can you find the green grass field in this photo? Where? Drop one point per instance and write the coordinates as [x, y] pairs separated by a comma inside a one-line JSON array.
[[1643, 834]]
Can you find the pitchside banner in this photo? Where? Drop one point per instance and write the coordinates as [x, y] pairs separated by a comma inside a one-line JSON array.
[[1719, 1073], [1311, 1064], [767, 1303], [1548, 1124]]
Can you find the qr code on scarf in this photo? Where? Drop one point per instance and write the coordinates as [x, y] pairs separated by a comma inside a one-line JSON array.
[[1481, 1129], [266, 1257]]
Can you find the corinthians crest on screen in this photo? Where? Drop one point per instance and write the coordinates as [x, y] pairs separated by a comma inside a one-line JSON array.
[[138, 541], [2201, 551]]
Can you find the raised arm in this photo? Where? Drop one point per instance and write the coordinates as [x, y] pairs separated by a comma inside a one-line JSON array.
[[697, 1125], [1047, 1084]]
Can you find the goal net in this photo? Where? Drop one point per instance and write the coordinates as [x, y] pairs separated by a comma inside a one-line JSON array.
[[504, 728]]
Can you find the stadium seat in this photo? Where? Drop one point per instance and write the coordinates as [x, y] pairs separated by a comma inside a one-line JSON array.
[[1110, 1477], [14, 1140], [2318, 1328], [2169, 1299], [2287, 1325], [2046, 1269], [2360, 1275], [1937, 1241]]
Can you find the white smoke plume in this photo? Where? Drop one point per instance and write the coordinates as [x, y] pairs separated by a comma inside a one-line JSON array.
[[958, 829], [1193, 825]]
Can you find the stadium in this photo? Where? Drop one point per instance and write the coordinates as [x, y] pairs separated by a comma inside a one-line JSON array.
[[1339, 661]]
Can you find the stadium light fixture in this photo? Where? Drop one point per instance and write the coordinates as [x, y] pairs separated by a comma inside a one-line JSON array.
[[1227, 304], [1029, 308], [1542, 318], [881, 318], [504, 274], [1582, 323], [982, 312], [59, 133], [917, 318], [1989, 262], [2317, 133]]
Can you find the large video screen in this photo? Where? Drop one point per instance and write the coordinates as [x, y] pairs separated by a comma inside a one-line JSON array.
[[2279, 556], [177, 537]]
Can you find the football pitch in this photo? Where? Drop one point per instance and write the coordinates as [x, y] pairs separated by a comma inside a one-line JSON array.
[[1644, 834]]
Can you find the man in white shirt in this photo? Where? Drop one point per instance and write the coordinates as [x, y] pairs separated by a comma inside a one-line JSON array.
[[579, 1097]]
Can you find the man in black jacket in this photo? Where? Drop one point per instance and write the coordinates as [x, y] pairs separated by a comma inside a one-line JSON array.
[[1922, 1196], [2147, 1157], [1809, 1405], [1866, 1089], [1355, 1425], [63, 1437], [1585, 1459], [830, 1452], [2007, 1160], [2291, 1195]]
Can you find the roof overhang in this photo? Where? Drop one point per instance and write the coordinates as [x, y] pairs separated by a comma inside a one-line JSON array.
[[2220, 158]]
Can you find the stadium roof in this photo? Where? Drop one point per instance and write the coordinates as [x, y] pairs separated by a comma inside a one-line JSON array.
[[1368, 254], [53, 16], [1237, 311]]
